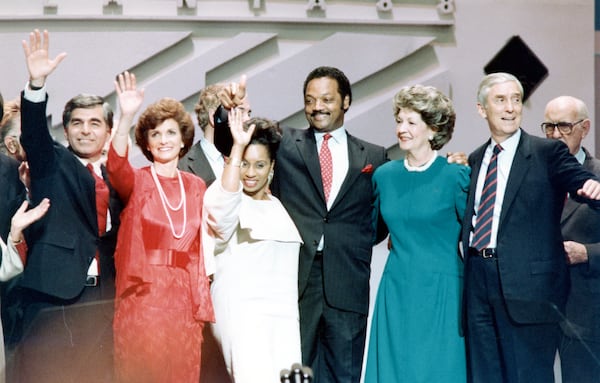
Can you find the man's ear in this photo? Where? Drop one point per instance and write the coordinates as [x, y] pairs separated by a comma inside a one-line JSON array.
[[211, 117], [586, 125], [481, 111], [11, 144], [346, 103]]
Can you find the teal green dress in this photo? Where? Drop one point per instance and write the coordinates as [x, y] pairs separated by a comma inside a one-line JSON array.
[[415, 330]]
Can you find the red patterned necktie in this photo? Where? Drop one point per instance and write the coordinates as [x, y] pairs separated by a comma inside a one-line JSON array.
[[102, 198], [326, 165], [485, 213]]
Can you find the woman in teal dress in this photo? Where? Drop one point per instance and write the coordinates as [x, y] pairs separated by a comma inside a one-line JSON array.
[[415, 331]]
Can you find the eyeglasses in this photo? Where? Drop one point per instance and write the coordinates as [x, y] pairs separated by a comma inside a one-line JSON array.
[[563, 127]]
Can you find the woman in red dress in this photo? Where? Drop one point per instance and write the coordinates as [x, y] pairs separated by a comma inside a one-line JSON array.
[[163, 297]]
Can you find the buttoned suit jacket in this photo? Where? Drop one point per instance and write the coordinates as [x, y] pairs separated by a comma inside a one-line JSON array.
[[64, 242], [12, 192], [196, 162], [346, 227], [580, 223], [531, 257]]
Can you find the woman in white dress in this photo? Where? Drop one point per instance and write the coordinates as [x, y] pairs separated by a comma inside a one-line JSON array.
[[256, 247]]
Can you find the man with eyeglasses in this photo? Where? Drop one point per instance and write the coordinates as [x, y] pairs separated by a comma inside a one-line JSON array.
[[566, 119]]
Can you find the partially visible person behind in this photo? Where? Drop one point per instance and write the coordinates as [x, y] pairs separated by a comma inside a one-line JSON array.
[[12, 191], [566, 119], [163, 297], [255, 286], [10, 131], [415, 331], [204, 159], [14, 254]]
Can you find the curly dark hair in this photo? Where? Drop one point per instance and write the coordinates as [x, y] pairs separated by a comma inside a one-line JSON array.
[[266, 132], [156, 114], [435, 108], [343, 83]]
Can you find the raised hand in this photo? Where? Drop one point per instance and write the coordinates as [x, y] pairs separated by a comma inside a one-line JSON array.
[[234, 94], [23, 218], [38, 61], [241, 134], [130, 98]]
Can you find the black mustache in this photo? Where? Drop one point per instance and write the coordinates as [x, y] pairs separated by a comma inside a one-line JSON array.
[[317, 112]]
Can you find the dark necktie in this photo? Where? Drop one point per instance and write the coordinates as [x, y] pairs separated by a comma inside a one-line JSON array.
[[326, 165], [485, 213]]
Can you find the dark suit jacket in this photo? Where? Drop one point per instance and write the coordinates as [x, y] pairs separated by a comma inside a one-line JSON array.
[[12, 192], [64, 242], [531, 257], [195, 162], [347, 225], [581, 224]]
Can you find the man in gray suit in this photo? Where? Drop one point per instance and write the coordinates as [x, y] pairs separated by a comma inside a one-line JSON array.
[[566, 119]]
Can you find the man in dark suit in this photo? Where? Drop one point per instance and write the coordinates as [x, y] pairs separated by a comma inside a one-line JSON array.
[[70, 258], [516, 278], [204, 159], [334, 268], [566, 119]]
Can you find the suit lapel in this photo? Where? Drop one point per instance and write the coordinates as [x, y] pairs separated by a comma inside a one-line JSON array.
[[307, 147], [518, 170], [198, 164], [357, 160]]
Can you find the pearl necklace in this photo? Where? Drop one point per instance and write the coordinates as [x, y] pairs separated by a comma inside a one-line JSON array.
[[166, 205]]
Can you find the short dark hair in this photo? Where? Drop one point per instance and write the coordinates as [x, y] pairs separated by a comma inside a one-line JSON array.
[[435, 108], [1, 107], [344, 88], [87, 101], [156, 114], [266, 132]]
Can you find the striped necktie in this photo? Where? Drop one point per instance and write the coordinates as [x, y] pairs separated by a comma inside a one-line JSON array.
[[485, 213]]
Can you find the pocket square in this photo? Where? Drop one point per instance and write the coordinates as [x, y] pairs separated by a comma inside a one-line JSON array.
[[367, 169]]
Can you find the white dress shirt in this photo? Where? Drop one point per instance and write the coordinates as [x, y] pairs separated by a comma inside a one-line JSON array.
[[505, 160]]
